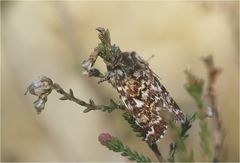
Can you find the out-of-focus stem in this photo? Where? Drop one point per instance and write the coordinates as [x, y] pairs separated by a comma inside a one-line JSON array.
[[195, 89], [219, 133]]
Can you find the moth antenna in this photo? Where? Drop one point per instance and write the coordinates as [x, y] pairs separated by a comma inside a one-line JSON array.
[[151, 57]]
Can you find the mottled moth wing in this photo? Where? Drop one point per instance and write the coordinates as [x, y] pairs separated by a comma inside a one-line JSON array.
[[144, 95]]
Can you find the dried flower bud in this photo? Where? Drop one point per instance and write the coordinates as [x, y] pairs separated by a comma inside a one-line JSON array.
[[40, 104], [100, 29], [105, 138], [41, 88], [87, 64], [210, 112]]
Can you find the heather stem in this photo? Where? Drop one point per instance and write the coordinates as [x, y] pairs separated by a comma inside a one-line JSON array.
[[89, 106], [194, 87], [156, 151], [213, 73]]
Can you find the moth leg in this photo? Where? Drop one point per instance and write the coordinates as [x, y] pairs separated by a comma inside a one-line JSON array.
[[106, 77], [96, 73]]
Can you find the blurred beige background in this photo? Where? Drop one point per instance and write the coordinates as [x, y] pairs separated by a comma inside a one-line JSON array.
[[53, 38]]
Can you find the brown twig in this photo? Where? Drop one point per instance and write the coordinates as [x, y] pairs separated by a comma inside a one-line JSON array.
[[89, 106], [219, 133]]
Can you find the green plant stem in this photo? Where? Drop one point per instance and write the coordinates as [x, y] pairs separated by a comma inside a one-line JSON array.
[[129, 118], [204, 134], [184, 154], [89, 106], [117, 146], [194, 87], [156, 151], [219, 133]]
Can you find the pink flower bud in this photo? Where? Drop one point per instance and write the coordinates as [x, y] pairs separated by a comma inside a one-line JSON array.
[[105, 138]]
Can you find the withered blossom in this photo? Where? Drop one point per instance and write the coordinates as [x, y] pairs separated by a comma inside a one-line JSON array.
[[41, 88], [39, 104], [87, 64], [210, 111]]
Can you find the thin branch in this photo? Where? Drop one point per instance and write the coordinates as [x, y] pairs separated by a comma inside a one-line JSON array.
[[194, 86], [185, 154], [114, 144], [130, 119], [89, 106], [219, 133]]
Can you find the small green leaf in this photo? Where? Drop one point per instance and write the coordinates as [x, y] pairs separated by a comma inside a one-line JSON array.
[[88, 109], [63, 98], [71, 92], [91, 102]]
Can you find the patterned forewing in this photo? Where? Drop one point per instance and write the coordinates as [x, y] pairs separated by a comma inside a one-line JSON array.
[[168, 102], [145, 97], [142, 101]]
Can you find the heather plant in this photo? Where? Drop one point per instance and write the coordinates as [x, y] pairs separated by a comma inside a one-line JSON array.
[[149, 130]]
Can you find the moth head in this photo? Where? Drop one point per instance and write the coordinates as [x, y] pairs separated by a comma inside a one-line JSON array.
[[131, 62]]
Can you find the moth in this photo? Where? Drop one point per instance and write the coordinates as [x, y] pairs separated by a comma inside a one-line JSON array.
[[138, 87]]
